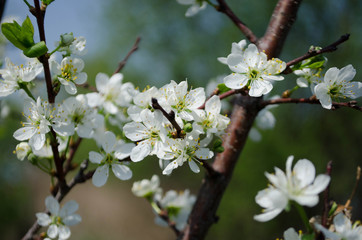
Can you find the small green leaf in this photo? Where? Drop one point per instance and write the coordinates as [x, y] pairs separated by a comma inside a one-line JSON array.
[[47, 2], [36, 50], [12, 31], [308, 236], [27, 33], [222, 88]]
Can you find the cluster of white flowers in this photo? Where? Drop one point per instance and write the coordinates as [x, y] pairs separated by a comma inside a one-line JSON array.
[[177, 205], [299, 185], [59, 219], [155, 134], [252, 69]]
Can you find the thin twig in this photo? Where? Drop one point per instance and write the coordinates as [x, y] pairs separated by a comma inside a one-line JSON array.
[[326, 197], [229, 93], [170, 116], [312, 100], [314, 52], [124, 61], [358, 177], [72, 151], [224, 8]]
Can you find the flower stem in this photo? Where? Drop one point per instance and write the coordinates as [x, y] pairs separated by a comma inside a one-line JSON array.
[[54, 51], [155, 207], [26, 2], [304, 217], [23, 86]]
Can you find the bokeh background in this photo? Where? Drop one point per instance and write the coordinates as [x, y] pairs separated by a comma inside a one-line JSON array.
[[175, 47]]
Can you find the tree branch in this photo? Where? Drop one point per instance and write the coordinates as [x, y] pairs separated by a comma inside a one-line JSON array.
[[283, 17], [224, 8], [124, 61], [326, 197], [311, 100], [311, 53]]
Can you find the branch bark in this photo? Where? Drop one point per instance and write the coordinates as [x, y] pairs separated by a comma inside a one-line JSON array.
[[245, 110]]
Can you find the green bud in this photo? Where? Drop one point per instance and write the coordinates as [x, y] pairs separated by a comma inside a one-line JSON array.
[[333, 209], [222, 88], [33, 159], [219, 149], [36, 50], [188, 127], [66, 39], [217, 143]]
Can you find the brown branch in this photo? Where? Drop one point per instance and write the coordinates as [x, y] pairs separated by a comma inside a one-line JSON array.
[[311, 100], [224, 8], [283, 17], [2, 7], [326, 205], [314, 52], [40, 14], [72, 151], [229, 93], [354, 190], [203, 214], [124, 61], [164, 215], [170, 116]]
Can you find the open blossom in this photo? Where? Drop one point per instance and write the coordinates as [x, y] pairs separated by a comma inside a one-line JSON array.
[[69, 73], [236, 48], [149, 133], [14, 75], [178, 206], [343, 229], [142, 100], [196, 6], [40, 117], [336, 84], [210, 121], [60, 218], [147, 188], [72, 45], [82, 118], [114, 151], [112, 93], [308, 77], [253, 69], [184, 150], [183, 102], [299, 185]]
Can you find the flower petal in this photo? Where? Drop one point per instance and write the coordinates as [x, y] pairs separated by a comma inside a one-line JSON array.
[[121, 171], [100, 176]]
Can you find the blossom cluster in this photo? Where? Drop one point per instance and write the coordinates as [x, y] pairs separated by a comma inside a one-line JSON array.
[[178, 205]]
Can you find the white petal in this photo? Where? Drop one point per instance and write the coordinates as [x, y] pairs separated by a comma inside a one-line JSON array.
[[64, 232], [170, 167], [347, 73], [306, 200], [95, 157], [94, 99], [43, 219], [267, 215], [213, 105], [101, 82], [68, 208], [235, 81], [304, 171], [81, 78], [71, 88], [140, 151], [121, 171], [135, 131], [52, 231], [320, 183], [52, 205], [194, 167], [24, 133], [329, 235], [291, 234], [72, 220], [204, 153], [124, 150], [100, 176], [109, 140]]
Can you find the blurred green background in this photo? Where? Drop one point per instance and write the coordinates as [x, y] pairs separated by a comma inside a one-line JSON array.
[[175, 47]]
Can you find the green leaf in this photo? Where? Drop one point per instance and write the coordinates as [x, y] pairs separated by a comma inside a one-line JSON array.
[[222, 88], [308, 236], [36, 50], [12, 31], [47, 2], [27, 33]]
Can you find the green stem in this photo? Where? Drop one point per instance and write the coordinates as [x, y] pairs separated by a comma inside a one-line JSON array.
[[155, 207], [304, 217], [54, 51], [26, 2], [23, 86], [214, 5], [293, 89]]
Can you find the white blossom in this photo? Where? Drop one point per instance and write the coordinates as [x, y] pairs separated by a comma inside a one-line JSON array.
[[299, 185], [69, 73], [291, 234], [253, 69], [196, 6], [40, 117], [22, 150], [178, 207], [149, 134], [183, 102], [336, 84], [142, 101], [59, 219], [14, 75], [114, 151], [112, 94], [146, 188], [343, 229], [236, 48], [184, 150], [308, 77]]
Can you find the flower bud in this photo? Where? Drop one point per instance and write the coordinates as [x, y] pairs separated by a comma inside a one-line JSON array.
[[66, 39], [219, 149], [33, 159], [217, 143], [188, 127], [22, 150]]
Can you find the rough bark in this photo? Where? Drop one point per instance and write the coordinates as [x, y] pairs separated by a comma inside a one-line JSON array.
[[245, 109]]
